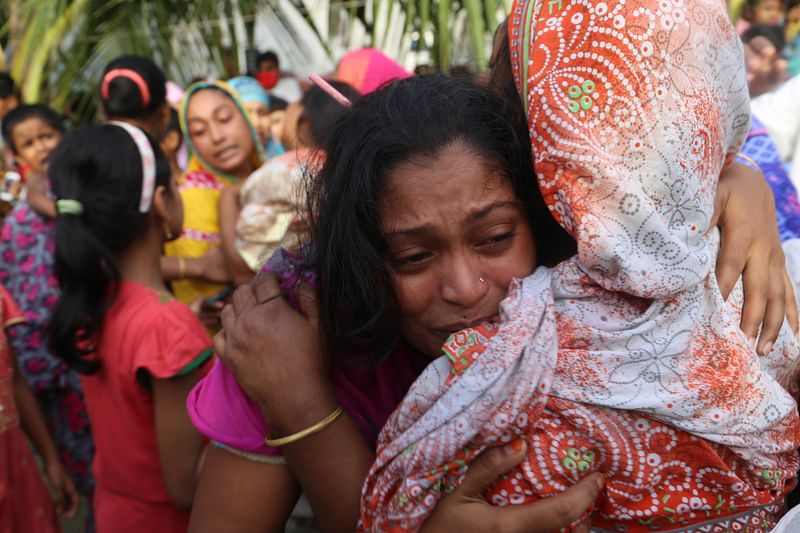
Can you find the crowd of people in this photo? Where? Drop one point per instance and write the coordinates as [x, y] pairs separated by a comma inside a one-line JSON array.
[[555, 296]]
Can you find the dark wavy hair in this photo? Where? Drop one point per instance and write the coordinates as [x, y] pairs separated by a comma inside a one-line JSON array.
[[125, 99], [100, 167], [411, 119]]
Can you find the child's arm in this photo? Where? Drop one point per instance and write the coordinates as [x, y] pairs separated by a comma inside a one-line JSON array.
[[180, 446], [37, 195], [228, 215], [34, 426], [231, 494], [209, 267]]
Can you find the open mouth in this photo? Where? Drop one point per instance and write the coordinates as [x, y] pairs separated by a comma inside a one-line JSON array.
[[226, 153]]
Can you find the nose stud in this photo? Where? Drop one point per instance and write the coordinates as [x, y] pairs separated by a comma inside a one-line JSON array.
[[481, 280]]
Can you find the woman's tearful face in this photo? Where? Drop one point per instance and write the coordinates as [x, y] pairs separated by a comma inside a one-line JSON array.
[[457, 236]]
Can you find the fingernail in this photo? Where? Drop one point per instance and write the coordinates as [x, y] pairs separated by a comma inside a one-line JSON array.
[[600, 481], [515, 446], [768, 348]]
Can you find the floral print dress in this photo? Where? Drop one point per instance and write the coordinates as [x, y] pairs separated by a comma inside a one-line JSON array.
[[27, 251]]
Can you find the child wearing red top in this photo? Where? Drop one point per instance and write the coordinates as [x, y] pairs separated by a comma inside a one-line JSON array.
[[139, 350], [25, 503]]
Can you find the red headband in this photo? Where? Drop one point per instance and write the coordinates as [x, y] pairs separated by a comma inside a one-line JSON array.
[[131, 75]]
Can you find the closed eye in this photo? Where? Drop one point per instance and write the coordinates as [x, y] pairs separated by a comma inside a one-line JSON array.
[[497, 239], [411, 262]]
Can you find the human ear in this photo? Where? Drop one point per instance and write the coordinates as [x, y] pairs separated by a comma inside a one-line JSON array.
[[160, 207], [171, 142]]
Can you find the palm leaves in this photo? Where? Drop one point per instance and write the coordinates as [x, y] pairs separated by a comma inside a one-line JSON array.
[[57, 48], [446, 30]]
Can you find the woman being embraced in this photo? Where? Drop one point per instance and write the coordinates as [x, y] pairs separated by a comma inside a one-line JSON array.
[[398, 256], [626, 359]]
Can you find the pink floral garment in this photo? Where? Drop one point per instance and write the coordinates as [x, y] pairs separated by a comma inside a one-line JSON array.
[[624, 359]]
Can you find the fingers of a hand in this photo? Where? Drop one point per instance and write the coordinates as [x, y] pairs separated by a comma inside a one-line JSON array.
[[584, 527], [307, 297], [244, 297], [559, 511], [264, 277], [268, 287], [720, 200], [791, 303], [730, 262], [58, 499], [227, 317], [490, 465], [73, 501], [775, 312], [220, 346], [756, 289]]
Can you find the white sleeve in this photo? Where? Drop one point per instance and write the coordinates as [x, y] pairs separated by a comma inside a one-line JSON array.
[[779, 111]]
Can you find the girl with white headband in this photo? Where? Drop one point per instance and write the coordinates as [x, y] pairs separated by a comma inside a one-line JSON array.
[[133, 90], [139, 350]]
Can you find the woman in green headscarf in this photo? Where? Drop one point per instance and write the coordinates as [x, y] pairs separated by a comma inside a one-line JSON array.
[[224, 149]]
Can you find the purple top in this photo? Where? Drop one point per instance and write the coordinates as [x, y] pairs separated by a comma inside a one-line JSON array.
[[222, 412]]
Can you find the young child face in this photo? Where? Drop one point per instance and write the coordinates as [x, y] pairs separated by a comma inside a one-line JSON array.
[[34, 140], [768, 12], [276, 120], [259, 114], [290, 126]]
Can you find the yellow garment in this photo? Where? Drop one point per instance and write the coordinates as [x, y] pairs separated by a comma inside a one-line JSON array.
[[200, 189]]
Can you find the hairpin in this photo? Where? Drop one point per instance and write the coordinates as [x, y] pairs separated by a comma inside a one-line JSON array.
[[330, 89]]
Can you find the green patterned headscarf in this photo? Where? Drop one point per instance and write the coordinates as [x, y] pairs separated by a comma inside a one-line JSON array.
[[196, 161]]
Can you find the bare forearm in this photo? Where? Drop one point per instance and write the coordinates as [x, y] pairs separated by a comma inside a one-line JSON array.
[[239, 270], [42, 205], [228, 215], [172, 269], [37, 196], [180, 446], [232, 492], [331, 465], [32, 421]]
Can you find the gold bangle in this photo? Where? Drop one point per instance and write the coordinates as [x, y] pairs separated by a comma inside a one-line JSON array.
[[750, 160], [316, 428], [181, 268]]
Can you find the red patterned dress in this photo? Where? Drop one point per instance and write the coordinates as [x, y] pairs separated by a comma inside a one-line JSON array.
[[25, 503]]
